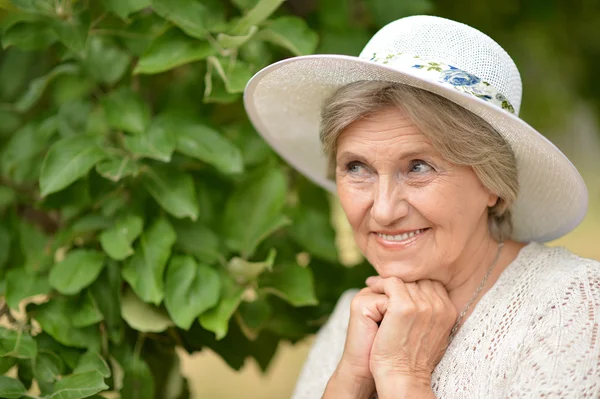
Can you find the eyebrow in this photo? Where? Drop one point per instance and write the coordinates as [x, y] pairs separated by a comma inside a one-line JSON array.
[[417, 153]]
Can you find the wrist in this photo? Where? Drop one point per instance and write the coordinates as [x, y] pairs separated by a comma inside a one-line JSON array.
[[347, 383], [398, 386]]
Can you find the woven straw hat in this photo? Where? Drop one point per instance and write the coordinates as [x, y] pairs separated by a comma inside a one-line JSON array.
[[448, 58]]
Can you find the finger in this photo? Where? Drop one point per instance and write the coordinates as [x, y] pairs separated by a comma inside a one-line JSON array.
[[423, 304], [393, 287], [449, 307], [442, 293], [428, 290], [369, 305]]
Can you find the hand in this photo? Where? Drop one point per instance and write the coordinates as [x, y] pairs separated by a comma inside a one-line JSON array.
[[366, 311], [413, 335]]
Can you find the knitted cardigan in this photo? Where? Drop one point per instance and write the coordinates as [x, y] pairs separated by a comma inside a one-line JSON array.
[[534, 334]]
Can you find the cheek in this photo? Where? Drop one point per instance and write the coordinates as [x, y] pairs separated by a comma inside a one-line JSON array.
[[354, 203]]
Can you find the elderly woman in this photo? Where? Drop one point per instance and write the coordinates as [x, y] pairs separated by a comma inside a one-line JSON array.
[[450, 196]]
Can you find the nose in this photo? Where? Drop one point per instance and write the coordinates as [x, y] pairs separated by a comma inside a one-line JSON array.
[[389, 201]]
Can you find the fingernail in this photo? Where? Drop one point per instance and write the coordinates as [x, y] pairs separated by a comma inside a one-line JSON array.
[[370, 280]]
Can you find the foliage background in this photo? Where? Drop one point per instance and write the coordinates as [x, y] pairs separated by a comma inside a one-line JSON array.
[[140, 212]]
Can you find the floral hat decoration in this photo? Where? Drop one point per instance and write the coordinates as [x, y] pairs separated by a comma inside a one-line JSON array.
[[451, 59]]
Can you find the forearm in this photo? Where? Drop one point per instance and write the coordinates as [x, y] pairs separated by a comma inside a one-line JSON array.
[[343, 385], [402, 387]]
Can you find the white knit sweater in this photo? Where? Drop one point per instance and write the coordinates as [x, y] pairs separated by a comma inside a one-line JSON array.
[[534, 334]]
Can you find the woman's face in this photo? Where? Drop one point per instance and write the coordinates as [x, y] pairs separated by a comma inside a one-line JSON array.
[[414, 215]]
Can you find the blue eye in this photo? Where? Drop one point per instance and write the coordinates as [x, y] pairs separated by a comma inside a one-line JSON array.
[[354, 167], [420, 166]]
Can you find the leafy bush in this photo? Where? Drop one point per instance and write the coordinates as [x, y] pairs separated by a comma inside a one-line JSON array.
[[139, 210]]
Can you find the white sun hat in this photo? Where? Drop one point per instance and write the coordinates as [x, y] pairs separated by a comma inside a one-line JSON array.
[[451, 59]]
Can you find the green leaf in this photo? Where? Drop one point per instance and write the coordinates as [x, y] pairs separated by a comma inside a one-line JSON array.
[[21, 284], [194, 238], [190, 16], [233, 42], [138, 381], [244, 271], [171, 50], [34, 246], [145, 270], [14, 73], [6, 363], [11, 121], [115, 169], [47, 367], [190, 290], [71, 201], [69, 89], [69, 356], [105, 62], [234, 73], [92, 361], [217, 319], [79, 269], [55, 319], [90, 223], [73, 117], [22, 154], [37, 86], [29, 36], [5, 239], [260, 12], [68, 160], [142, 316], [73, 32], [173, 190], [25, 372], [126, 110], [123, 8], [86, 312], [313, 230], [116, 241], [11, 388], [292, 283], [384, 11], [253, 211], [157, 142], [78, 386], [254, 316], [244, 4], [255, 150], [292, 33], [201, 142], [106, 291], [17, 344]]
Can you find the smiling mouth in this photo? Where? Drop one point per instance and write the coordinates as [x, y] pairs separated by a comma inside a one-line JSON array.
[[403, 236]]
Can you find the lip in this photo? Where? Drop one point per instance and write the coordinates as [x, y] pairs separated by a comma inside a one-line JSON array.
[[398, 232], [399, 245]]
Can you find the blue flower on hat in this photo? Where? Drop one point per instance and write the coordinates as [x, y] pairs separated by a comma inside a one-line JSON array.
[[458, 77]]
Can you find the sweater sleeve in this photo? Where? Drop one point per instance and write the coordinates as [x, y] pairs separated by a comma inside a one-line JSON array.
[[325, 352], [560, 356]]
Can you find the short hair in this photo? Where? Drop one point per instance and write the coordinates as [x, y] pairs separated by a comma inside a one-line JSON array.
[[460, 136]]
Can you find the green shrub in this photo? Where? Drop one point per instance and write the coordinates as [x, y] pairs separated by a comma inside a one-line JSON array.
[[139, 210]]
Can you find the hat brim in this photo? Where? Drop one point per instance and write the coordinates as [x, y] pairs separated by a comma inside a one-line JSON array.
[[284, 102]]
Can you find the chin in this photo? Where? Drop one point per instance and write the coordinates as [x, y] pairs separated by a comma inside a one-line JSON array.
[[405, 271]]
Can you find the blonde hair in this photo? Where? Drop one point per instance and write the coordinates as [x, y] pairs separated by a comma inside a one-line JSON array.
[[460, 136]]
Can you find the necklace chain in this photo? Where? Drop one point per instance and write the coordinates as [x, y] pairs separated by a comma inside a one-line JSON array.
[[475, 294]]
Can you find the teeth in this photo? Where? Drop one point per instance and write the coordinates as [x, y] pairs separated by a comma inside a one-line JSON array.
[[400, 237]]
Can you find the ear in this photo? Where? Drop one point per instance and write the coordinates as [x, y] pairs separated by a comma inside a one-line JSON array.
[[492, 200]]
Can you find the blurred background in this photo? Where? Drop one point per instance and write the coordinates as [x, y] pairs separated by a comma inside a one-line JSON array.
[[147, 55]]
